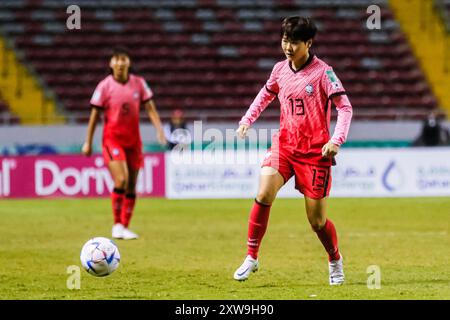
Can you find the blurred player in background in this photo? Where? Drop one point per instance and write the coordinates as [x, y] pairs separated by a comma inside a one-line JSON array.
[[176, 131], [305, 86], [120, 96]]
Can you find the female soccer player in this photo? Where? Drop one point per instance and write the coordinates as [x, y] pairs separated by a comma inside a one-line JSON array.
[[120, 96], [304, 85]]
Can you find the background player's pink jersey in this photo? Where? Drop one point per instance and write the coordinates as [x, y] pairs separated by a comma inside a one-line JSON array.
[[121, 103], [304, 96]]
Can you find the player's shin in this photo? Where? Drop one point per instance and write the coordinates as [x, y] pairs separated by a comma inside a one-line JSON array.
[[257, 225], [127, 209], [328, 236], [117, 197]]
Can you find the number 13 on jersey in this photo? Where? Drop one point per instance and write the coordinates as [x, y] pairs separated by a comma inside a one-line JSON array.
[[297, 106]]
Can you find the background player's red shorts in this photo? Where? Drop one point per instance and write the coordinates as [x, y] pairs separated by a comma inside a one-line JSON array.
[[312, 180], [132, 155]]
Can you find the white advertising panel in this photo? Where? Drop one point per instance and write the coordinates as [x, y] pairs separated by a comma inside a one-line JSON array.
[[399, 172]]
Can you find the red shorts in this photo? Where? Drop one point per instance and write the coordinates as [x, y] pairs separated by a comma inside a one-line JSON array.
[[312, 180], [115, 152]]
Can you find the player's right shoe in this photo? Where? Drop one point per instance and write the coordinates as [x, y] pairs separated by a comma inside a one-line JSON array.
[[117, 231], [336, 268], [127, 234], [248, 266]]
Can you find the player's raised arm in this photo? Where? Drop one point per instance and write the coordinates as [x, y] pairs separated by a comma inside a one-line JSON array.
[[93, 118], [150, 107]]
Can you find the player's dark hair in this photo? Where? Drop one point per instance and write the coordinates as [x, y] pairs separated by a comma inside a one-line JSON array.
[[298, 28], [120, 51]]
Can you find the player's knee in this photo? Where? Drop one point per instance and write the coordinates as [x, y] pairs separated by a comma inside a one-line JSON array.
[[120, 182], [265, 198], [317, 224]]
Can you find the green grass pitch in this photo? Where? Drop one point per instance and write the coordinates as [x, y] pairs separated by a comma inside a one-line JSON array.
[[189, 249]]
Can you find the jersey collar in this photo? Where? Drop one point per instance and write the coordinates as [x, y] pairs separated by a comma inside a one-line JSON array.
[[307, 63], [122, 83]]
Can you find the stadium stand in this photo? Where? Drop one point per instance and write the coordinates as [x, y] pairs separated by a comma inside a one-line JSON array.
[[211, 57]]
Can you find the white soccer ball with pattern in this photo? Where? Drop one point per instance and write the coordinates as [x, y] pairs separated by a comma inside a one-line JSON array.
[[100, 256]]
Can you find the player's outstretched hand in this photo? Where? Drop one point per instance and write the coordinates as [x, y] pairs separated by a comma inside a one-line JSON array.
[[86, 149], [161, 138], [242, 130], [330, 149]]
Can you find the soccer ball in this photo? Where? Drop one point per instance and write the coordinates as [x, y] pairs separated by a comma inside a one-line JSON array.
[[100, 256]]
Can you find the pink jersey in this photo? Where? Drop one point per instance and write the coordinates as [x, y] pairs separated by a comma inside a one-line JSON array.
[[121, 103], [304, 97]]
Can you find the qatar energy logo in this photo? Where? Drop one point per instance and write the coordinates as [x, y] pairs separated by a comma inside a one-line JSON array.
[[392, 178], [433, 178]]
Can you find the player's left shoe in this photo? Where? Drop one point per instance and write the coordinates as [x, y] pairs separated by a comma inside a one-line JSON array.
[[336, 268], [248, 266], [127, 234], [117, 231]]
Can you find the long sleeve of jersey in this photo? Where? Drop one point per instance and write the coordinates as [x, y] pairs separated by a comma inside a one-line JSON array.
[[344, 118], [263, 99]]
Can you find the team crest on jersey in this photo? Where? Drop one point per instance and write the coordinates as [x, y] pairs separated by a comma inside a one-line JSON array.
[[309, 89], [136, 95], [116, 151]]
